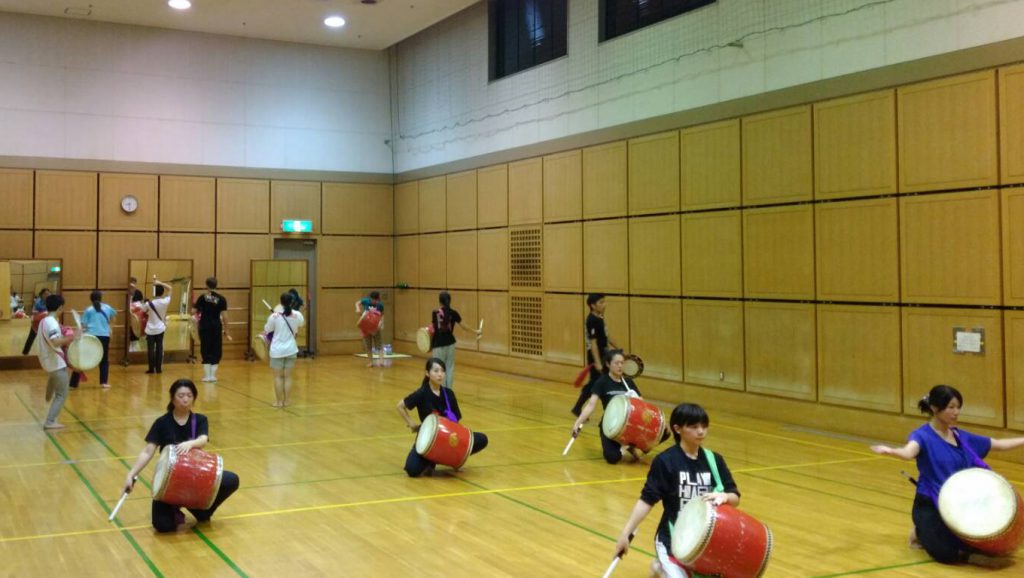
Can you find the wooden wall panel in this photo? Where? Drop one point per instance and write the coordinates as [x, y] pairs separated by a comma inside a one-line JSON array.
[[433, 250], [407, 208], [855, 146], [563, 186], [460, 201], [432, 205], [238, 318], [114, 187], [358, 209], [1014, 321], [493, 308], [947, 133], [492, 259], [656, 335], [605, 181], [77, 249], [492, 196], [859, 356], [116, 250], [199, 248], [712, 254], [428, 302], [337, 318], [1011, 124], [778, 252], [526, 192], [406, 314], [709, 163], [563, 257], [461, 260], [295, 200], [616, 320], [16, 191], [66, 200], [654, 259], [188, 204], [654, 174], [713, 343], [606, 256], [243, 206], [928, 359], [236, 251], [15, 244], [563, 329], [778, 165], [368, 262], [857, 251], [407, 260], [1013, 246], [780, 349], [950, 248]]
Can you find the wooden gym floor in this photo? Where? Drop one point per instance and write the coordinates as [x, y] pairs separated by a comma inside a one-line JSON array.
[[323, 492]]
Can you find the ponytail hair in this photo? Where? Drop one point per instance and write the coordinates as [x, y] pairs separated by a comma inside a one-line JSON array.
[[286, 302], [97, 297], [939, 397]]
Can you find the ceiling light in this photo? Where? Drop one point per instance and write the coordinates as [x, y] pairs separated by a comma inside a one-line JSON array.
[[179, 4], [334, 21]]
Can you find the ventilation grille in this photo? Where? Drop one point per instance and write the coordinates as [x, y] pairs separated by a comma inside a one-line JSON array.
[[527, 325], [525, 252]]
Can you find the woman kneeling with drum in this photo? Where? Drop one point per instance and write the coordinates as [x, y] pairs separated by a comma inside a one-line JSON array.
[[945, 453], [185, 476], [439, 416]]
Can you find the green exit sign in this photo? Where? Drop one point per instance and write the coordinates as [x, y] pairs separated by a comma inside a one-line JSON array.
[[55, 269], [294, 226]]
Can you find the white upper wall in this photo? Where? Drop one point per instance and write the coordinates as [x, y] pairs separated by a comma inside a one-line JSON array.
[[87, 90], [448, 111]]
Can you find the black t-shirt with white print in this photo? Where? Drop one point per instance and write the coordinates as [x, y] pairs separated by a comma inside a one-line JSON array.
[[606, 388], [674, 479]]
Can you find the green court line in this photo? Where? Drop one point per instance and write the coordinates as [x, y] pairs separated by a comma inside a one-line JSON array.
[[254, 398], [195, 530], [822, 492], [127, 535], [876, 569]]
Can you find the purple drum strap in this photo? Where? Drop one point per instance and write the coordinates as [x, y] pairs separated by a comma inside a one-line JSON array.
[[448, 413], [193, 426], [975, 460]]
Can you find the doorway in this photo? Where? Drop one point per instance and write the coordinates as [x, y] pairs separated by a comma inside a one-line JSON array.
[[304, 249]]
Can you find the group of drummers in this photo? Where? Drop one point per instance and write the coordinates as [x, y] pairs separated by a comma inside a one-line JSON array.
[[701, 531]]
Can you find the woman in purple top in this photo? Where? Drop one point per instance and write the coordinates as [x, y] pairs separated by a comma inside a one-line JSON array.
[[941, 450]]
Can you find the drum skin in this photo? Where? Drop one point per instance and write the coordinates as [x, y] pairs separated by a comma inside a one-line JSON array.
[[633, 366], [633, 422], [721, 541], [423, 338], [261, 346], [369, 322], [979, 494], [85, 353], [443, 441], [191, 480]]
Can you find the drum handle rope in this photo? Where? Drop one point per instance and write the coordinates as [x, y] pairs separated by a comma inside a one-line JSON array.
[[617, 558]]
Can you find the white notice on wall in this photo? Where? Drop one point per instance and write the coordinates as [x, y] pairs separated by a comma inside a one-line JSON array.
[[968, 342]]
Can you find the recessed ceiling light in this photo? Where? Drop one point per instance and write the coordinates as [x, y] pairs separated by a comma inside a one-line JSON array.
[[179, 4], [334, 21]]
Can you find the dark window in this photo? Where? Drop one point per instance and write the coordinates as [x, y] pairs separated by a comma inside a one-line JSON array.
[[525, 33], [620, 17]]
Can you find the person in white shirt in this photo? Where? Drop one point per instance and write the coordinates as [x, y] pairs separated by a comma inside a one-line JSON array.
[[51, 357], [284, 325], [156, 325]]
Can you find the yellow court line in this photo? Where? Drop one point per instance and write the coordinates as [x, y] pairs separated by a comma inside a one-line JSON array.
[[794, 440]]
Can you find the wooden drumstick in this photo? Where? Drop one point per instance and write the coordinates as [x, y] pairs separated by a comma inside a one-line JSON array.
[[572, 440], [615, 560], [78, 319], [480, 330], [267, 305], [120, 503]]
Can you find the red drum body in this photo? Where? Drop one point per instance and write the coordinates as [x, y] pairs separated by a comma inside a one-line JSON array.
[[721, 541], [632, 421], [138, 318], [36, 318], [984, 510], [443, 441], [369, 322], [191, 480]]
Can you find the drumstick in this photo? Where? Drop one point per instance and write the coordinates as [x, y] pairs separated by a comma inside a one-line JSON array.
[[572, 440], [78, 319], [615, 560], [120, 503], [480, 330], [909, 478], [267, 305]]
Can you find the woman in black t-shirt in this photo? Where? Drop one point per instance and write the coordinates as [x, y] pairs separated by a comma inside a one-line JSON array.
[[188, 430], [213, 326], [678, 475], [431, 397], [445, 320]]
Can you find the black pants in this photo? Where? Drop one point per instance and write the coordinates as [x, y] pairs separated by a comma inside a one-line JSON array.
[[211, 344], [164, 514], [586, 391], [938, 540], [611, 449], [28, 342], [104, 364], [155, 352], [416, 464]]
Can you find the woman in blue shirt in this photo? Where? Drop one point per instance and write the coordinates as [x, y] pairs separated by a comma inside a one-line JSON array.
[[96, 321], [941, 450]]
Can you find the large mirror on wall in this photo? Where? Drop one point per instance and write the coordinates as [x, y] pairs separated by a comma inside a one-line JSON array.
[[270, 278], [22, 282], [174, 277]]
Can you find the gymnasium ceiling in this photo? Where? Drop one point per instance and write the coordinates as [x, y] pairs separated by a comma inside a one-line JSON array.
[[374, 27]]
